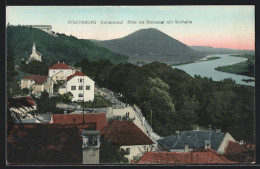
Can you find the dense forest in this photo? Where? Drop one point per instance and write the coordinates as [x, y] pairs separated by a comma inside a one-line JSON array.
[[61, 48], [172, 100]]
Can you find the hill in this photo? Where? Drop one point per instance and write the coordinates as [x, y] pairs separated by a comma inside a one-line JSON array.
[[148, 45], [211, 50], [61, 48]]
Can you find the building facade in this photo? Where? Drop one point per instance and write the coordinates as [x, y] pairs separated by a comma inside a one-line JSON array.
[[37, 84], [45, 28], [60, 71], [81, 87]]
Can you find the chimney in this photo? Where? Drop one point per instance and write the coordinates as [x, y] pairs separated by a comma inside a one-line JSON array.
[[58, 61], [177, 133], [186, 148], [207, 144], [209, 127], [90, 146]]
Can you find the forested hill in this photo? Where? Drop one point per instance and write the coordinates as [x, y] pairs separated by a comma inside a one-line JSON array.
[[147, 45], [211, 50], [62, 48]]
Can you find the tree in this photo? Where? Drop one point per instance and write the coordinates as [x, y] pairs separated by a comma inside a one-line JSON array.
[[111, 153], [46, 104], [35, 67], [25, 91], [66, 97]]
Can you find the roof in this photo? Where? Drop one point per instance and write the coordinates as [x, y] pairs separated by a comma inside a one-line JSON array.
[[77, 73], [125, 133], [44, 144], [37, 78], [98, 118], [23, 101], [207, 156], [38, 53], [240, 152], [29, 120], [195, 139], [60, 66]]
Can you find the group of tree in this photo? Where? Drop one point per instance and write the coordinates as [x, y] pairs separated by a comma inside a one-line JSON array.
[[172, 100], [35, 67], [55, 48]]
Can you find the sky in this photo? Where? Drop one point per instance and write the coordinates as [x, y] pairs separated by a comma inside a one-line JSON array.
[[215, 26]]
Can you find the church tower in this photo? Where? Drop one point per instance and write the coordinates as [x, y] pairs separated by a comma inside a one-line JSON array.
[[34, 48], [35, 55]]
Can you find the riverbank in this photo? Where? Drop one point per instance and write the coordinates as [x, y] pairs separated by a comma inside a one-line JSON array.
[[207, 69], [207, 58], [243, 68]]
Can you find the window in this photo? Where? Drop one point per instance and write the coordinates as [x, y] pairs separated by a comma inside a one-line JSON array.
[[80, 80], [92, 141], [80, 87], [80, 95], [128, 150], [87, 87], [73, 87]]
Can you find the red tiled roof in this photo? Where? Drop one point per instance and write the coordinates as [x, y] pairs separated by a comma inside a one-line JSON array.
[[77, 73], [125, 133], [240, 153], [25, 101], [98, 118], [207, 156], [60, 66], [37, 78], [44, 144]]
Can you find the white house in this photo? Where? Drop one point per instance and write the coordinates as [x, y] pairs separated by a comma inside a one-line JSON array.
[[60, 71], [35, 55], [81, 86]]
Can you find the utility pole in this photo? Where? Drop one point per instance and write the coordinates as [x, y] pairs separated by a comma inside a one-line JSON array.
[[83, 87]]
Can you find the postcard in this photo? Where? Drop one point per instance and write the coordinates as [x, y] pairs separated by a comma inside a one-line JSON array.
[[119, 85]]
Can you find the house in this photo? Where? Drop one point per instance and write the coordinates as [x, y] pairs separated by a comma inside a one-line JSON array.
[[98, 118], [199, 156], [48, 144], [128, 136], [190, 140], [35, 55], [60, 71], [37, 84], [23, 106], [81, 87]]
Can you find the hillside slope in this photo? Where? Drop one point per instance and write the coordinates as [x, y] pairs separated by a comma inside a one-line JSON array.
[[211, 50], [62, 48], [147, 45]]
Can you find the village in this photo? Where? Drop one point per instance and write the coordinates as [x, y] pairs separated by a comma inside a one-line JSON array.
[[76, 135]]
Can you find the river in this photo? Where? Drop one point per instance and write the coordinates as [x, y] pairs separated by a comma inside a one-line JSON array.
[[207, 69]]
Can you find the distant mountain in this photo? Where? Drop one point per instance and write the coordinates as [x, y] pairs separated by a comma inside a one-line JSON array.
[[211, 50], [147, 45], [61, 48]]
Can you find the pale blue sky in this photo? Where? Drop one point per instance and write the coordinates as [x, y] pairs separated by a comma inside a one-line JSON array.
[[217, 26]]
